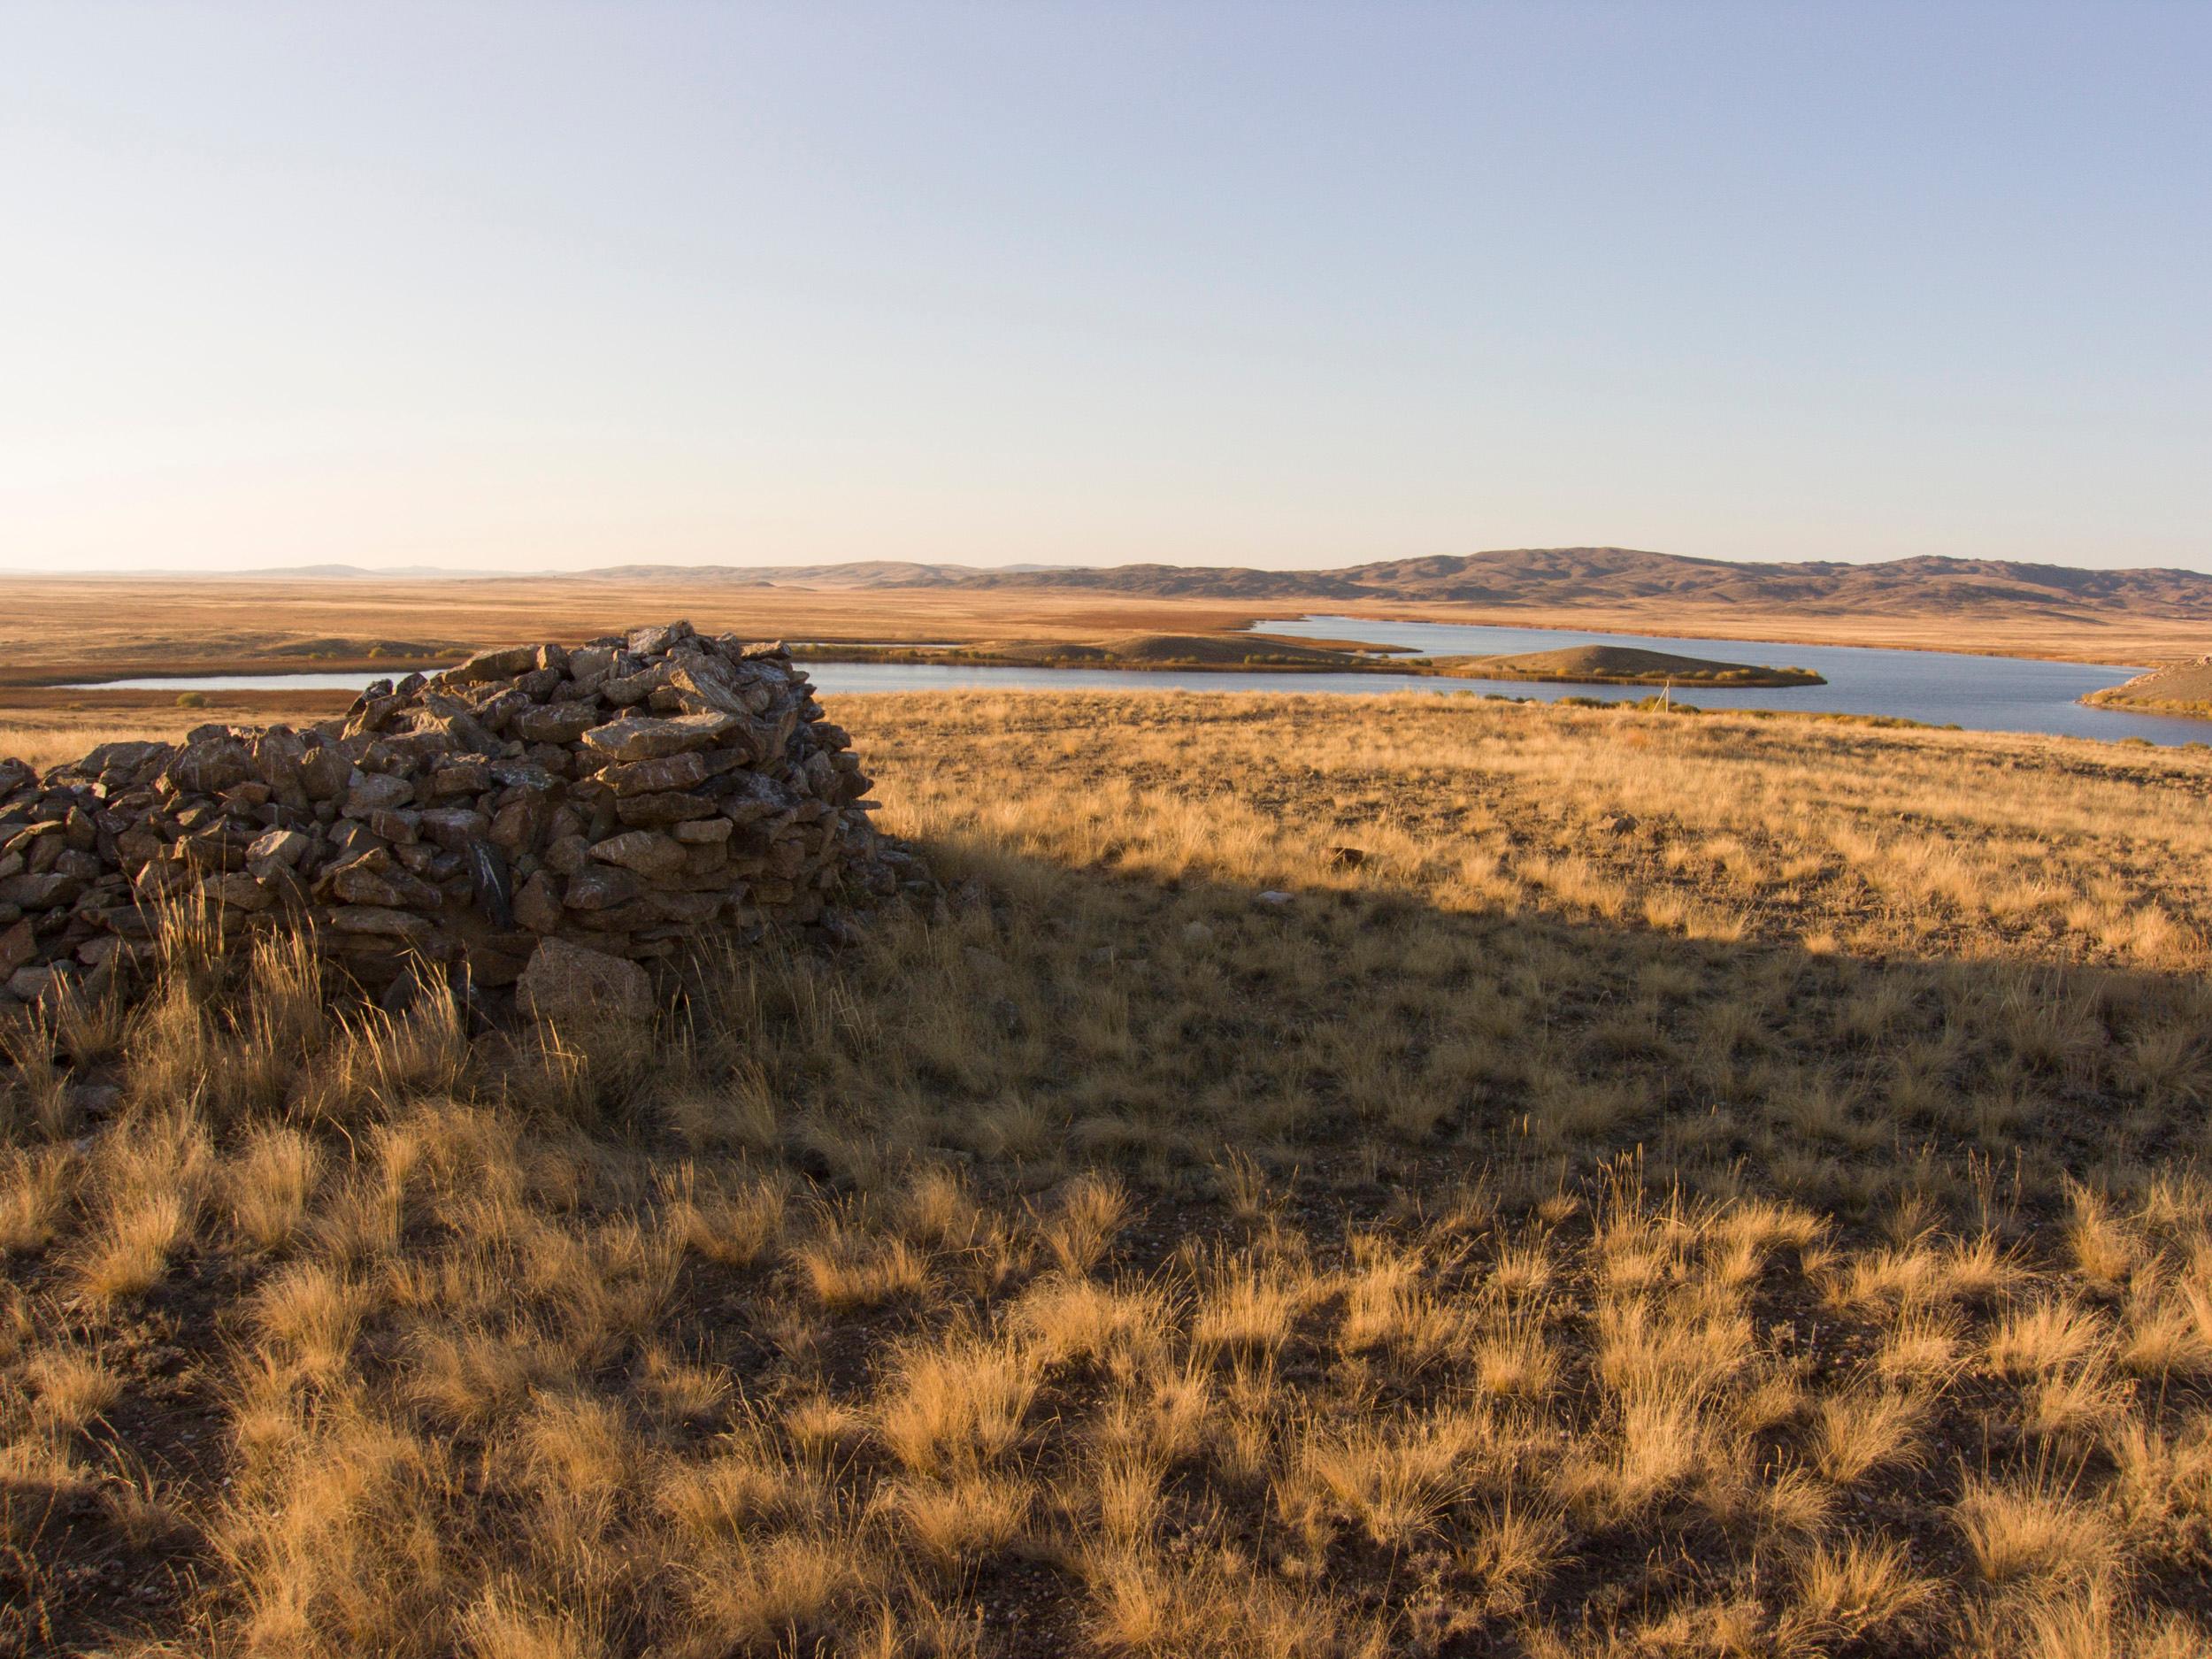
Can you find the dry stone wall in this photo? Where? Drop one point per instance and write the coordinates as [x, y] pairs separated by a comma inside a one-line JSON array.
[[621, 797]]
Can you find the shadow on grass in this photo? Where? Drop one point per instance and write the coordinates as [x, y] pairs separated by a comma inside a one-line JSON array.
[[1063, 1015]]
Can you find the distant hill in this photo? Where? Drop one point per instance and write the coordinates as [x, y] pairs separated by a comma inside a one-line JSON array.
[[1531, 579], [1552, 578]]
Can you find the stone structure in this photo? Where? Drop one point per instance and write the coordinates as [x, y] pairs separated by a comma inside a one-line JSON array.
[[622, 797]]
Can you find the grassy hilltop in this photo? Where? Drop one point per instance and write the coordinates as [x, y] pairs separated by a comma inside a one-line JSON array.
[[1344, 1177]]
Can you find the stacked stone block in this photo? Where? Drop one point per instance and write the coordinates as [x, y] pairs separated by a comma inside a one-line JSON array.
[[624, 797]]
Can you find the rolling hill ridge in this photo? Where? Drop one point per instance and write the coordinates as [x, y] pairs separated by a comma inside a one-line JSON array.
[[1541, 578]]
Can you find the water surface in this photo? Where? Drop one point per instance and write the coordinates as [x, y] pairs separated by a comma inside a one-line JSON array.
[[1989, 694]]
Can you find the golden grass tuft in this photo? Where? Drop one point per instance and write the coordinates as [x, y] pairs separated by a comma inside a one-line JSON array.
[[1781, 1229]]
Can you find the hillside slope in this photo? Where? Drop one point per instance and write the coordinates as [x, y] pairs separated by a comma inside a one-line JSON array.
[[1545, 578]]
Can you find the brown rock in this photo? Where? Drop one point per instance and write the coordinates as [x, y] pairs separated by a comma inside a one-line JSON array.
[[452, 827], [657, 811], [393, 889], [675, 771], [503, 664], [238, 891], [622, 918], [586, 660], [17, 947], [377, 791], [325, 772], [622, 690], [31, 983], [642, 737], [556, 722], [566, 856], [280, 846], [516, 824], [277, 754], [565, 982], [211, 764], [461, 777], [653, 641], [538, 904], [134, 847], [696, 908], [40, 893], [597, 887], [369, 919], [538, 684], [655, 856]]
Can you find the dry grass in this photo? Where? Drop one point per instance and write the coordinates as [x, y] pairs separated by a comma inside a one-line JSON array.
[[1777, 1230]]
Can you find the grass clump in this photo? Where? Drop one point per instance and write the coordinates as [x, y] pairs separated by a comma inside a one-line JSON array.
[[1688, 1185]]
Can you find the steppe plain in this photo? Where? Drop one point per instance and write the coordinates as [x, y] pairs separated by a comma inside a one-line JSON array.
[[1340, 1176]]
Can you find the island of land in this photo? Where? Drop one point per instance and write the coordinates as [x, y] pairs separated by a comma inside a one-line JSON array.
[[1623, 666], [1579, 665], [2184, 689]]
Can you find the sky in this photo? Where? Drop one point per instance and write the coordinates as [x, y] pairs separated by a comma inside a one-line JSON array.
[[547, 286]]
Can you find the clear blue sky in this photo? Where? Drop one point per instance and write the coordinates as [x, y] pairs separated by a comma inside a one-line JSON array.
[[543, 286]]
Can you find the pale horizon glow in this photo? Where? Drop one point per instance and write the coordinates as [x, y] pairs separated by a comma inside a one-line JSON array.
[[547, 286]]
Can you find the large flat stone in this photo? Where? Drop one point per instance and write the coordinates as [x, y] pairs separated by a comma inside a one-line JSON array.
[[569, 983], [644, 737], [653, 856]]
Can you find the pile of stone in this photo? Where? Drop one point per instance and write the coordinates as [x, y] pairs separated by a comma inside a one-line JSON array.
[[621, 798]]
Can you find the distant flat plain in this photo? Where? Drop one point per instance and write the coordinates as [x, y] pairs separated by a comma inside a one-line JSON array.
[[55, 628]]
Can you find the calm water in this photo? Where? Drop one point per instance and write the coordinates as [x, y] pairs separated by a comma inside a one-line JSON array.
[[1992, 693], [1983, 693]]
